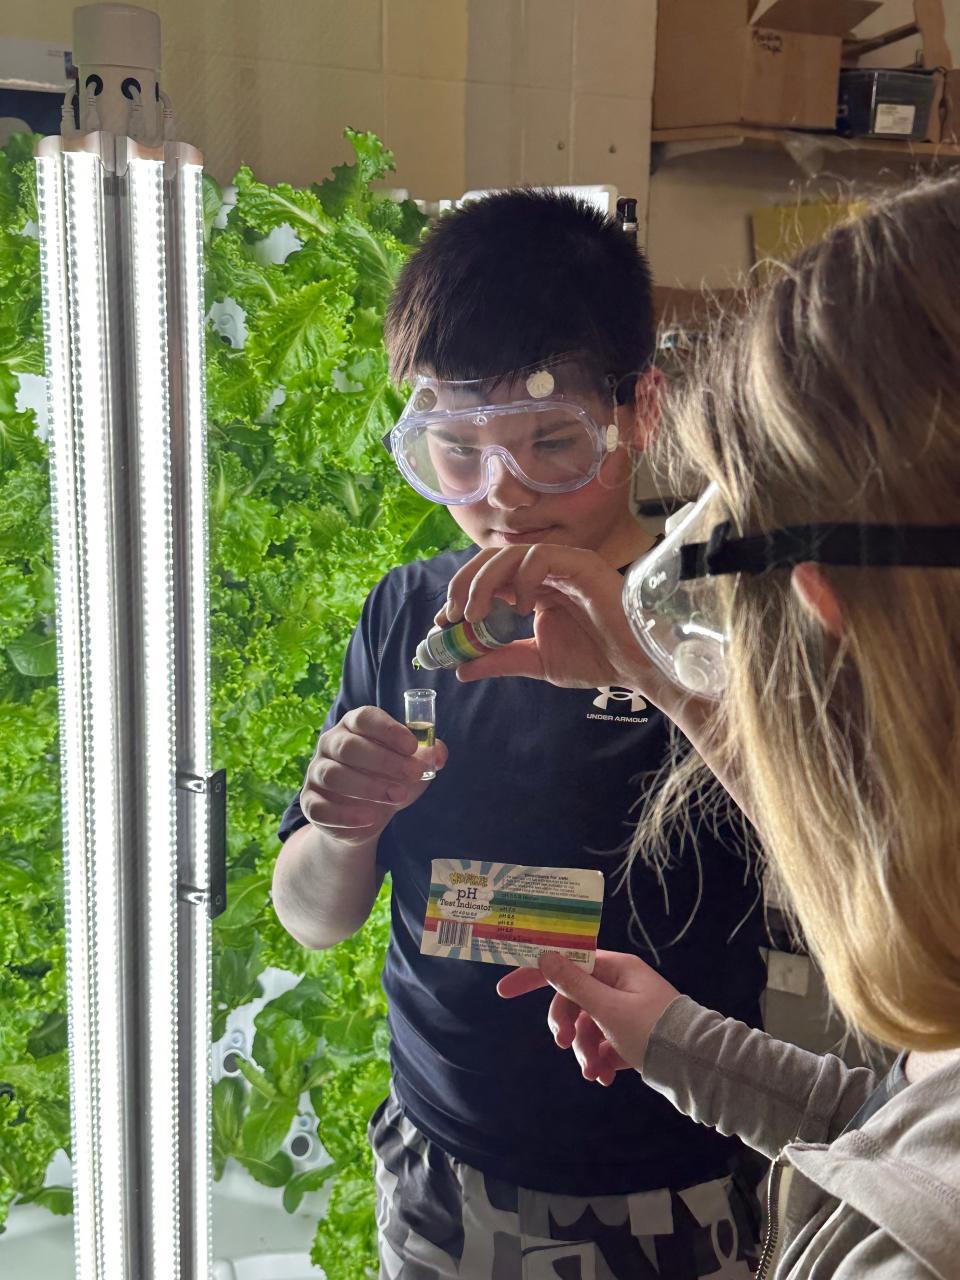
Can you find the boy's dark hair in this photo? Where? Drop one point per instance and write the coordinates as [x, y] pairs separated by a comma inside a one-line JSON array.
[[518, 277]]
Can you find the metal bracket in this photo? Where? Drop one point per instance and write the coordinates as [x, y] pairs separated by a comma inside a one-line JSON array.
[[214, 787]]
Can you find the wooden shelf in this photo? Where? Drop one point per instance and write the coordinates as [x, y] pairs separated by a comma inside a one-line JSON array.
[[813, 152]]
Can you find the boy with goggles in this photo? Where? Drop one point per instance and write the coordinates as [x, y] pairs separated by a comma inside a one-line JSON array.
[[541, 427], [524, 327]]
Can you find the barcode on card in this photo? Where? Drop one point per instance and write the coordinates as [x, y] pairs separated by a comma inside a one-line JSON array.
[[451, 933]]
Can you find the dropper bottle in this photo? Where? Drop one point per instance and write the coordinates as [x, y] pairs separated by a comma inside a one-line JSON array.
[[449, 646]]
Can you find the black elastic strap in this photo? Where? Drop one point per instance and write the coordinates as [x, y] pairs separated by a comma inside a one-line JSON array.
[[876, 545]]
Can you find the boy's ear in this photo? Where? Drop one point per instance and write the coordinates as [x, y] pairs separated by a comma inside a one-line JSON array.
[[641, 432]]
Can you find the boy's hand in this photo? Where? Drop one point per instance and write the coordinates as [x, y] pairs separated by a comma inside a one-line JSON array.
[[606, 1017], [364, 770], [581, 638]]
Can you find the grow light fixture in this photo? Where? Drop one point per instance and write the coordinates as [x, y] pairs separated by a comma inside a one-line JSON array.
[[120, 209]]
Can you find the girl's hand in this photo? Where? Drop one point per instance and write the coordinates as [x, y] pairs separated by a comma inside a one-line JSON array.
[[606, 1017], [581, 636]]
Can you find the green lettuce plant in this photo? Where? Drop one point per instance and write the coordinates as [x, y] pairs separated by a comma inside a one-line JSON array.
[[34, 1108], [307, 512]]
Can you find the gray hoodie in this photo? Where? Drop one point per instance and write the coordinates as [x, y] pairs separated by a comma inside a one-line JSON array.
[[880, 1202]]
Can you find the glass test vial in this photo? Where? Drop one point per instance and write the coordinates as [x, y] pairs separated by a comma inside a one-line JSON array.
[[420, 716]]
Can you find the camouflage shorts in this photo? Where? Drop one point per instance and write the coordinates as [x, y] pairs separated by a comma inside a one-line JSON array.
[[440, 1219]]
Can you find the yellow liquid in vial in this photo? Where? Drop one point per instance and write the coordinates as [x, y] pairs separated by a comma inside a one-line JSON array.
[[424, 733]]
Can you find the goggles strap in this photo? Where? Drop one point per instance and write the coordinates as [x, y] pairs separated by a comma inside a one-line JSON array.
[[877, 545]]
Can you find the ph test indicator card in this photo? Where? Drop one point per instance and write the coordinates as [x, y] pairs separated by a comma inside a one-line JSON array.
[[501, 913]]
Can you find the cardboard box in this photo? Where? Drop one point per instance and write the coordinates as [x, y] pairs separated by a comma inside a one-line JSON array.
[[950, 109], [935, 122], [717, 63]]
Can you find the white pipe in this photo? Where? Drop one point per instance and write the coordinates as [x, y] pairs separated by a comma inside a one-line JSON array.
[[116, 49]]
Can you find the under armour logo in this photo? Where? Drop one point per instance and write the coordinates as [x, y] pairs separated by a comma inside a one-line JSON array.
[[610, 693]]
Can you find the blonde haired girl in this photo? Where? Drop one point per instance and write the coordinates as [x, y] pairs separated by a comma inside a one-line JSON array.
[[812, 600]]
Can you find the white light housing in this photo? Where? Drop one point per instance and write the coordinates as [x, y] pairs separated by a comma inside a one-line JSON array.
[[122, 251], [189, 445]]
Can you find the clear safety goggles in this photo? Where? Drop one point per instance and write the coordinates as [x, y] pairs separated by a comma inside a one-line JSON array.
[[673, 600], [452, 436]]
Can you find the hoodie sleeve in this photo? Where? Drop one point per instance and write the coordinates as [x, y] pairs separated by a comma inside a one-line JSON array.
[[881, 1257], [740, 1081]]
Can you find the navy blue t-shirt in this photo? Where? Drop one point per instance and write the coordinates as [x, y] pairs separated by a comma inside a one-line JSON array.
[[542, 777]]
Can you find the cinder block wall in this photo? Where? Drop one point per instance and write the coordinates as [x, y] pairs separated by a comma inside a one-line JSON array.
[[468, 93]]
